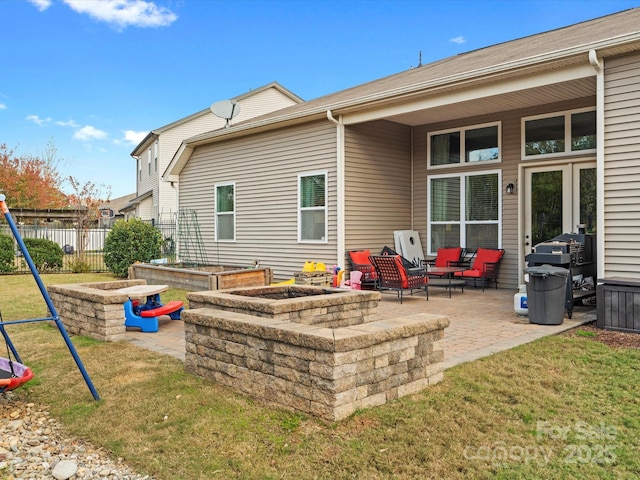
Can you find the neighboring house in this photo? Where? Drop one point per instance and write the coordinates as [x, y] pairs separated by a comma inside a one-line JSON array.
[[114, 210], [455, 150], [157, 199]]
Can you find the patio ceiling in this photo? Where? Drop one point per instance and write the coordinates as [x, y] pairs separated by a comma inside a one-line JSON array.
[[551, 93]]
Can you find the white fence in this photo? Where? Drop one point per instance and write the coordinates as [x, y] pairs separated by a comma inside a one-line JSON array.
[[65, 237]]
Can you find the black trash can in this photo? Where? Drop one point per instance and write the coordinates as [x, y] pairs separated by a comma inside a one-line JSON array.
[[546, 294]]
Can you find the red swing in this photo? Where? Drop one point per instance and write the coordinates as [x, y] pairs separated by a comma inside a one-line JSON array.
[[12, 373]]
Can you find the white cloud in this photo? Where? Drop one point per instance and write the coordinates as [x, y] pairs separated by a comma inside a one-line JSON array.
[[89, 133], [124, 13], [68, 123], [134, 138], [41, 5], [3, 106], [37, 120], [459, 40]]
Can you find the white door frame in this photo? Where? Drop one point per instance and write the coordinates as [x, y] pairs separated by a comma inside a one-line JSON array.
[[571, 198]]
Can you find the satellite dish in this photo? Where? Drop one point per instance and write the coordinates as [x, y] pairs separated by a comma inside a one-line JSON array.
[[225, 109]]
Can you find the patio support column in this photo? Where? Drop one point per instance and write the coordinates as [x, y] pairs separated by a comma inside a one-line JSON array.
[[340, 161], [598, 65]]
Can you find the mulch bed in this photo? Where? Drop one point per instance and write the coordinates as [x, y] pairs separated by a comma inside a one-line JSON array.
[[610, 338]]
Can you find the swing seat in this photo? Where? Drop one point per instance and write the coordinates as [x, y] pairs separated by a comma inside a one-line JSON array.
[[8, 380]]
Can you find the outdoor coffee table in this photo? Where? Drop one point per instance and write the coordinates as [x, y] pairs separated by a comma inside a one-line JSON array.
[[443, 276]]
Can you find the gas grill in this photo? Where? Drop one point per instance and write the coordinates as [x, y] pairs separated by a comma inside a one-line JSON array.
[[574, 251]]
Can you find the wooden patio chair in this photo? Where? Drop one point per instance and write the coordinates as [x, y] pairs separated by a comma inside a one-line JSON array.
[[393, 276], [485, 267]]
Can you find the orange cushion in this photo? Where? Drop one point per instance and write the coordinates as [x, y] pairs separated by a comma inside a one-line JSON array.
[[446, 255], [486, 255], [360, 257], [403, 272]]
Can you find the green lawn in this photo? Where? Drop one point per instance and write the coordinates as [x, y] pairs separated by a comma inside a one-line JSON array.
[[561, 407]]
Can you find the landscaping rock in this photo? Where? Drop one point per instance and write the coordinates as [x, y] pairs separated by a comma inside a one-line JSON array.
[[33, 446]]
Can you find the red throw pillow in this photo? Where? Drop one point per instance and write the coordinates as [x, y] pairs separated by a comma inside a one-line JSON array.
[[446, 255], [360, 257], [403, 272]]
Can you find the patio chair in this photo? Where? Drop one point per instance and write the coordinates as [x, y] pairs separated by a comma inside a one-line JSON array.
[[485, 267], [361, 263], [447, 257], [393, 276]]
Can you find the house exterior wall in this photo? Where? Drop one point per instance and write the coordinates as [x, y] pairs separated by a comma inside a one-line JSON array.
[[377, 184], [171, 137], [510, 266], [621, 227], [265, 169]]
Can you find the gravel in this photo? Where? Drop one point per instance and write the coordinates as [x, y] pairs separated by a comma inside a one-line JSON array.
[[34, 446]]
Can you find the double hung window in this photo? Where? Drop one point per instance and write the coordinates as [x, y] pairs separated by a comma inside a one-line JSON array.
[[226, 212], [464, 210], [312, 207]]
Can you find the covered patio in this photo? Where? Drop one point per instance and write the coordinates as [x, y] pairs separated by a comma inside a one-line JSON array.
[[481, 323]]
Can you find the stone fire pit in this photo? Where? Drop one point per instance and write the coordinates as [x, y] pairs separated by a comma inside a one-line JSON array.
[[317, 350]]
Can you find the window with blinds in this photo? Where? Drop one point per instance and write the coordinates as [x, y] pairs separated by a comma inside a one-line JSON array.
[[312, 207], [225, 212], [464, 210]]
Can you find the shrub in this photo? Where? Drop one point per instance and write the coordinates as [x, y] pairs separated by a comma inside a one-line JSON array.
[[7, 253], [47, 256], [128, 242]]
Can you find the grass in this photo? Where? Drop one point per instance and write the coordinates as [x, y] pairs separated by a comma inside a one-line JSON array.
[[560, 407]]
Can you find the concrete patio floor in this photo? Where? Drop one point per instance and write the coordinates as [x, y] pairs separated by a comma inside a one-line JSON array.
[[481, 323]]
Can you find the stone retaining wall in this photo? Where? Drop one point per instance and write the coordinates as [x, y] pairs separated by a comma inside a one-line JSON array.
[[92, 309], [326, 372]]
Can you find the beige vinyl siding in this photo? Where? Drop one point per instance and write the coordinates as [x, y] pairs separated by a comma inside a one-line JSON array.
[[622, 167], [172, 136], [377, 184], [266, 101], [265, 169]]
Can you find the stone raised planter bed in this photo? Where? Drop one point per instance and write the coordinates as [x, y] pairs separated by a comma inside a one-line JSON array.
[[328, 358], [92, 309], [207, 278]]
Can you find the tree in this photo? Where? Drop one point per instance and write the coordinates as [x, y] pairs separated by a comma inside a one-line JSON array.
[[31, 182], [85, 201], [130, 241]]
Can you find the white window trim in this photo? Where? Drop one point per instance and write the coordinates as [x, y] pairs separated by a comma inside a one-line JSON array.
[[216, 214], [463, 193], [462, 131], [325, 208], [155, 155], [567, 134]]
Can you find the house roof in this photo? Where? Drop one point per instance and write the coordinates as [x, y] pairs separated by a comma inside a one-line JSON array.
[[153, 134], [550, 51], [117, 204], [136, 200]]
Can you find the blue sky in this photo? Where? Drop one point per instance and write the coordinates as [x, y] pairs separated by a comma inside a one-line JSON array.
[[93, 77]]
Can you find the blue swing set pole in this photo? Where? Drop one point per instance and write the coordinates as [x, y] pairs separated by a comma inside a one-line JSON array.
[[52, 309]]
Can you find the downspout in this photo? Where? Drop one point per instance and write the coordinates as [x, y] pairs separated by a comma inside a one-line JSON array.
[[598, 65], [340, 181]]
